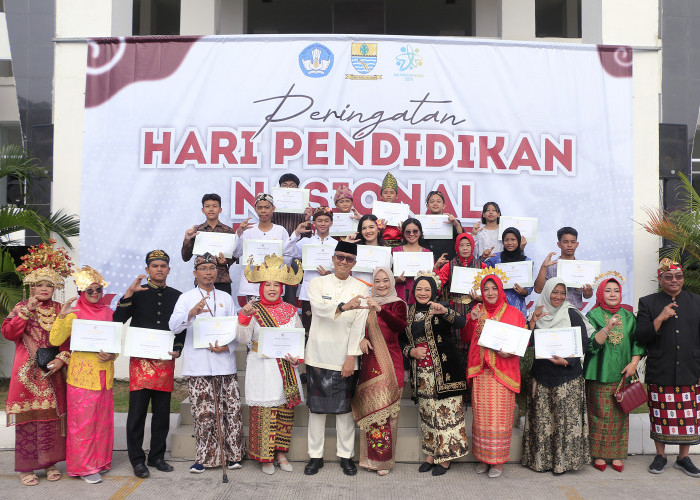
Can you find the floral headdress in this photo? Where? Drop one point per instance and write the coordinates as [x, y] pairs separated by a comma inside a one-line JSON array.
[[44, 263]]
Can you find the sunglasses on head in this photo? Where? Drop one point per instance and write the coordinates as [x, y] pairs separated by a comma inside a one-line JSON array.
[[411, 231], [93, 291], [349, 258]]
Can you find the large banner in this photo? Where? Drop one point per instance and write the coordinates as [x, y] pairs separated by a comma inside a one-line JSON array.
[[545, 130]]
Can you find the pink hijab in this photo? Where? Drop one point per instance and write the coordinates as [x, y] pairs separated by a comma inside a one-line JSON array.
[[88, 310]]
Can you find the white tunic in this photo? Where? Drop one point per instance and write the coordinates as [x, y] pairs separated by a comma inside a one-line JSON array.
[[263, 381], [333, 336], [254, 233], [293, 250], [203, 362]]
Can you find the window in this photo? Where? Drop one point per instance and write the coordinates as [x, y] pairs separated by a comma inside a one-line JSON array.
[[5, 67], [156, 17], [558, 18]]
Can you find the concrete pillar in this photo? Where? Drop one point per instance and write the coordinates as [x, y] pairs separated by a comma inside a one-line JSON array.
[[518, 19], [233, 17], [620, 22], [122, 18], [486, 18], [199, 17]]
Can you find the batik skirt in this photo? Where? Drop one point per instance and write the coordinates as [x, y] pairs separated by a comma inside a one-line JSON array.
[[442, 425], [39, 445], [556, 428], [206, 428], [328, 392], [608, 425], [674, 412], [493, 406], [270, 431], [90, 433]]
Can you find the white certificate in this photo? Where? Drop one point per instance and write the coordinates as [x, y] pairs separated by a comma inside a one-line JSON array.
[[258, 249], [526, 225], [577, 273], [517, 272], [343, 224], [369, 257], [214, 243], [562, 342], [511, 339], [290, 200], [148, 343], [462, 280], [392, 213], [93, 336], [410, 263], [209, 330], [278, 342], [435, 227], [316, 255]]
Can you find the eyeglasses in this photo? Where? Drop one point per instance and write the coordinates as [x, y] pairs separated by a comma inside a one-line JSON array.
[[208, 269], [673, 277], [411, 231], [349, 258], [93, 291]]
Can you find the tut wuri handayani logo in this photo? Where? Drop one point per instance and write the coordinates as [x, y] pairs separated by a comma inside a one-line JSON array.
[[316, 60], [363, 57]]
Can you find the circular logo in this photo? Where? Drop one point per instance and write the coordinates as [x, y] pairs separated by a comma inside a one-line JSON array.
[[316, 60]]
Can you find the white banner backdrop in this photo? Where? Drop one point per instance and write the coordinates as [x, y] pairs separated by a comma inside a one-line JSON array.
[[545, 130]]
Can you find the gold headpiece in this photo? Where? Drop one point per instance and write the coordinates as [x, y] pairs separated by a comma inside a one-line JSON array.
[[85, 276], [390, 182], [607, 275], [273, 269], [430, 275], [45, 256], [44, 275], [497, 271]]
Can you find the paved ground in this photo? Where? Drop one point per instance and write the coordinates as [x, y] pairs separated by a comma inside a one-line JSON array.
[[403, 482]]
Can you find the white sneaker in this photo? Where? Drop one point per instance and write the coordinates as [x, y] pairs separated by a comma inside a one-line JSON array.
[[93, 478], [494, 472], [481, 467]]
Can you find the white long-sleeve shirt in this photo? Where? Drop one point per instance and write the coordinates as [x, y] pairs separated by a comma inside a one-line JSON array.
[[293, 250], [203, 362], [333, 335], [254, 233]]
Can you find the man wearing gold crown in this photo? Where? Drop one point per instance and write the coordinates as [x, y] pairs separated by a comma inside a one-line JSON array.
[[36, 400], [150, 380], [272, 385], [668, 324], [337, 328], [211, 373]]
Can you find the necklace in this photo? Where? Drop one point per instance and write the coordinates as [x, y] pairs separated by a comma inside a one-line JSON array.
[[205, 299], [45, 317]]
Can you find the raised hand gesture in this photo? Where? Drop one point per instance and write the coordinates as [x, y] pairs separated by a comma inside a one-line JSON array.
[[191, 233], [67, 308], [246, 224]]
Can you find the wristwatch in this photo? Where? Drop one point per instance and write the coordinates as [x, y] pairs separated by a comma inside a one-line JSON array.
[[340, 306]]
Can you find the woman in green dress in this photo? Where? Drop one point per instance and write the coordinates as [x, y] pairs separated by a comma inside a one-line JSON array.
[[613, 353]]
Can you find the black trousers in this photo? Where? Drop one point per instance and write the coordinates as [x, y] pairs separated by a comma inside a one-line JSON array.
[[224, 287], [136, 421]]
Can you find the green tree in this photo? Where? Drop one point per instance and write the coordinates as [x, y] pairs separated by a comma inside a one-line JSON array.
[[16, 162], [682, 228]]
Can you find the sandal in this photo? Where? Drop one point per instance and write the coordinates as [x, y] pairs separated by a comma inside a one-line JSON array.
[[53, 474], [28, 478], [383, 472]]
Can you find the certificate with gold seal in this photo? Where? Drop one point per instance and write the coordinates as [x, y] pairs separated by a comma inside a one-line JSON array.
[[148, 343], [209, 330], [95, 336], [278, 342]]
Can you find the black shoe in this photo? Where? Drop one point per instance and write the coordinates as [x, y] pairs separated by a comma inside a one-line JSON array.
[[687, 466], [313, 466], [140, 470], [439, 470], [425, 467], [657, 466], [348, 466], [161, 465]]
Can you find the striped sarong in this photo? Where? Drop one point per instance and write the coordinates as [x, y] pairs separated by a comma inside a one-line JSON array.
[[493, 406], [608, 426], [270, 431]]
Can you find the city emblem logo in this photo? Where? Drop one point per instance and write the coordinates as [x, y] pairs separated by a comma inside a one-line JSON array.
[[408, 61], [316, 60], [363, 57]]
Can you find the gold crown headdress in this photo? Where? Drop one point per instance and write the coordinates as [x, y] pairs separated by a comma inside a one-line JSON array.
[[430, 275], [44, 275], [497, 271], [45, 256], [607, 275], [273, 269], [86, 276]]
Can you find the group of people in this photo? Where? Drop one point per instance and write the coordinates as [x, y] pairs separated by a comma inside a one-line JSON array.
[[364, 332]]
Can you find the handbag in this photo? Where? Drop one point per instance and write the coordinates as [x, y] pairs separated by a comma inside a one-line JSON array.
[[45, 355], [629, 397]]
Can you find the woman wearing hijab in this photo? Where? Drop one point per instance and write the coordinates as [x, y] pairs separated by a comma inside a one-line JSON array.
[[437, 375], [272, 387], [496, 379], [556, 430], [376, 403], [613, 353], [90, 433], [512, 252]]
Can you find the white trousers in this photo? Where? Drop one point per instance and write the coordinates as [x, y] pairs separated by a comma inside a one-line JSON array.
[[345, 429]]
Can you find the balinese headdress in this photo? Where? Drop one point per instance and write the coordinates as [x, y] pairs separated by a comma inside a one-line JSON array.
[[390, 182], [667, 264], [44, 263], [431, 276], [322, 211], [265, 197], [85, 276], [273, 269], [497, 271], [205, 258], [342, 192]]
